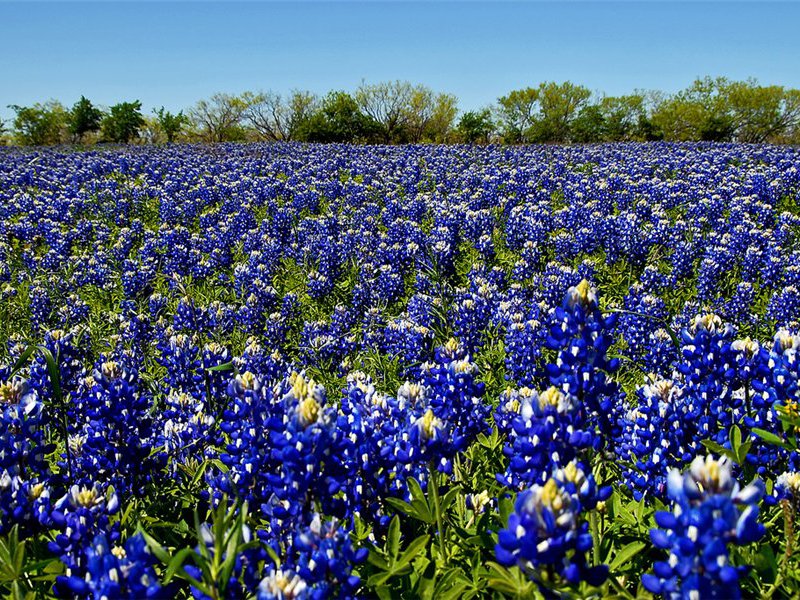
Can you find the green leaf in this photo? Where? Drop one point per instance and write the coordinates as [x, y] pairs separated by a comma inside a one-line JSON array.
[[719, 449], [393, 539], [378, 580], [376, 560], [411, 552], [23, 358], [176, 563], [156, 548], [53, 373], [735, 436], [769, 437], [449, 497], [401, 505], [625, 554], [743, 450], [228, 366]]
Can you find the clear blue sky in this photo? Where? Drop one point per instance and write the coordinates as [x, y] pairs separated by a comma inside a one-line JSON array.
[[173, 54]]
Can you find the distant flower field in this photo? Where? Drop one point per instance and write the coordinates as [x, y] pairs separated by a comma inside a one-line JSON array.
[[299, 371]]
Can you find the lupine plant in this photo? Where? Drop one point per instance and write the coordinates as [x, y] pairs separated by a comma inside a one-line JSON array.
[[303, 371]]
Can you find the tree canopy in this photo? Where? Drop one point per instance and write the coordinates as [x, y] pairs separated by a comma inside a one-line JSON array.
[[397, 112]]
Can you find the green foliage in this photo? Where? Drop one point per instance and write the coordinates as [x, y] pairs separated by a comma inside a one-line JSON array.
[[123, 122], [169, 123], [544, 114], [217, 548], [398, 112], [22, 574], [476, 127], [40, 124], [338, 120], [84, 118]]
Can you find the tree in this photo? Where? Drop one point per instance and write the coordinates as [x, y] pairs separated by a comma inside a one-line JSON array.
[[762, 113], [700, 112], [790, 111], [40, 124], [170, 124], [541, 114], [387, 104], [559, 104], [476, 127], [84, 118], [338, 120], [302, 105], [219, 118], [123, 122], [429, 116], [276, 118], [590, 125], [517, 113], [622, 116]]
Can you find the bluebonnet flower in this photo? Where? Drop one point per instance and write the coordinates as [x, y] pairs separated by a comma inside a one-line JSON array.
[[80, 515], [581, 336], [116, 572], [548, 530], [706, 519]]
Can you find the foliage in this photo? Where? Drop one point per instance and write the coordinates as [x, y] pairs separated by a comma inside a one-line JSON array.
[[123, 122], [84, 118], [40, 124], [170, 124], [476, 127]]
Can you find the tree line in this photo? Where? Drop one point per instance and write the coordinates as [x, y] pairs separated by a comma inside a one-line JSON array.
[[398, 112]]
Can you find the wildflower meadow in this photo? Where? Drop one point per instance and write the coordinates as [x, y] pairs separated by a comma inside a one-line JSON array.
[[289, 371]]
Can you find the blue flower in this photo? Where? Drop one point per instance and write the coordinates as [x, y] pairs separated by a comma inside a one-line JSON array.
[[706, 519]]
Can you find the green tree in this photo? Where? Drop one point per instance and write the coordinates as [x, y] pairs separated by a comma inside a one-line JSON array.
[[123, 122], [476, 127], [559, 104], [589, 125], [170, 124], [622, 115], [429, 116], [84, 118], [700, 112], [761, 113], [518, 111], [40, 124], [339, 120], [542, 114]]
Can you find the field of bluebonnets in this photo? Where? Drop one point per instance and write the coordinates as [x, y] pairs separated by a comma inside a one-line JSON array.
[[298, 371]]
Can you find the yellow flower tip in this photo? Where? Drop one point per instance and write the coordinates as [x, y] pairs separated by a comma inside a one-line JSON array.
[[36, 491], [451, 346], [308, 410], [86, 497], [9, 393], [429, 425], [571, 472], [248, 380], [550, 496], [552, 396]]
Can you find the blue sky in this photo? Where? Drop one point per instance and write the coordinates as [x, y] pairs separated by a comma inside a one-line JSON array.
[[173, 54]]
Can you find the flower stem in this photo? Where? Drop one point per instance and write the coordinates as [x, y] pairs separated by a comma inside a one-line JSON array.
[[433, 484], [595, 531]]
